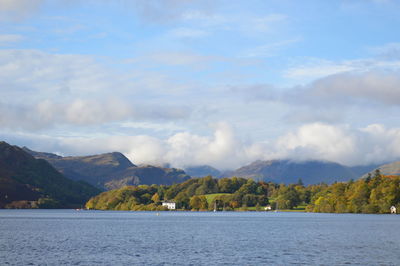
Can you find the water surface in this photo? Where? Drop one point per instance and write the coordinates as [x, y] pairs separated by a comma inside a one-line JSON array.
[[69, 237]]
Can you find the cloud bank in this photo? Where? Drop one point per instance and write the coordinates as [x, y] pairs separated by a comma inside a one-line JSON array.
[[373, 86], [224, 150], [42, 90]]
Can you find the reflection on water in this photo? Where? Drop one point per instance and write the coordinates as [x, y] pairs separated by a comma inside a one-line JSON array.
[[37, 237]]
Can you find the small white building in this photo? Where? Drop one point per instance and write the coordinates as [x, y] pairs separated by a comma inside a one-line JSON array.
[[169, 204], [268, 208], [393, 209]]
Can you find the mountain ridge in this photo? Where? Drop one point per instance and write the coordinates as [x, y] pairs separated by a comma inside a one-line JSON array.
[[290, 171], [392, 168], [111, 170]]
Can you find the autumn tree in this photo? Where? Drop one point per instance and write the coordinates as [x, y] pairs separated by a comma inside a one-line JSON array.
[[155, 198]]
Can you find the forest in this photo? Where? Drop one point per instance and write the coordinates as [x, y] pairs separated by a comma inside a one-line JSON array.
[[374, 194]]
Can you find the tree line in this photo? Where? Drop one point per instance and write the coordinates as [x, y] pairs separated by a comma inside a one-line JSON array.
[[374, 194]]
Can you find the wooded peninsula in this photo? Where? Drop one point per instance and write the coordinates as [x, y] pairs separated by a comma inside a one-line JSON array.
[[373, 194]]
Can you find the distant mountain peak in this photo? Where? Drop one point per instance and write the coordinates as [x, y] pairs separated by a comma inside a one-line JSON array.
[[41, 154], [115, 159], [202, 170]]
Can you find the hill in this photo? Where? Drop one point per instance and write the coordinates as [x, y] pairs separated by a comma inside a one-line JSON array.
[[202, 170], [26, 182], [387, 169], [111, 170], [311, 172], [376, 194]]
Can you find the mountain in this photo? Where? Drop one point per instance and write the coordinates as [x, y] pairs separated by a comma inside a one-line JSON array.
[[202, 170], [387, 169], [26, 182], [111, 170], [311, 172], [148, 175]]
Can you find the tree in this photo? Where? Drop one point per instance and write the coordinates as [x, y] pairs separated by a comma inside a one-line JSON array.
[[191, 190], [261, 190], [300, 182], [198, 203], [146, 198], [359, 197], [195, 202], [263, 200], [368, 178], [249, 188], [171, 192], [289, 197], [377, 173], [155, 198], [225, 185], [182, 200], [249, 200]]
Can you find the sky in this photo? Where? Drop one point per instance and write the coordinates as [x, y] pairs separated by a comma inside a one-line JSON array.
[[216, 82]]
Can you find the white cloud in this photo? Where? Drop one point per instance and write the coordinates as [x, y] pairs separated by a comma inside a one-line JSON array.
[[156, 11], [8, 39], [313, 68], [270, 49], [389, 51], [42, 90], [18, 9], [37, 70], [347, 88], [266, 23], [188, 149], [317, 140], [83, 113], [374, 86], [207, 20], [164, 11], [170, 127], [308, 114], [343, 144], [316, 68]]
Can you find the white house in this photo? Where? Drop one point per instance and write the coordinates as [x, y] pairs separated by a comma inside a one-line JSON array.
[[393, 209], [170, 204], [268, 208]]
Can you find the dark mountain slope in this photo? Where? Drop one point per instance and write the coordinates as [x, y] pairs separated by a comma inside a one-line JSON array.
[[24, 178]]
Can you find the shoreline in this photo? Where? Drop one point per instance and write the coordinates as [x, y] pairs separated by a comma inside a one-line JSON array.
[[204, 211]]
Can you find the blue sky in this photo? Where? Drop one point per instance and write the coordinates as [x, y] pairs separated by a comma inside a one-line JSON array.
[[203, 82]]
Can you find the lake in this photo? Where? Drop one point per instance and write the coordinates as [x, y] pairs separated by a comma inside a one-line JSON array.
[[69, 237]]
